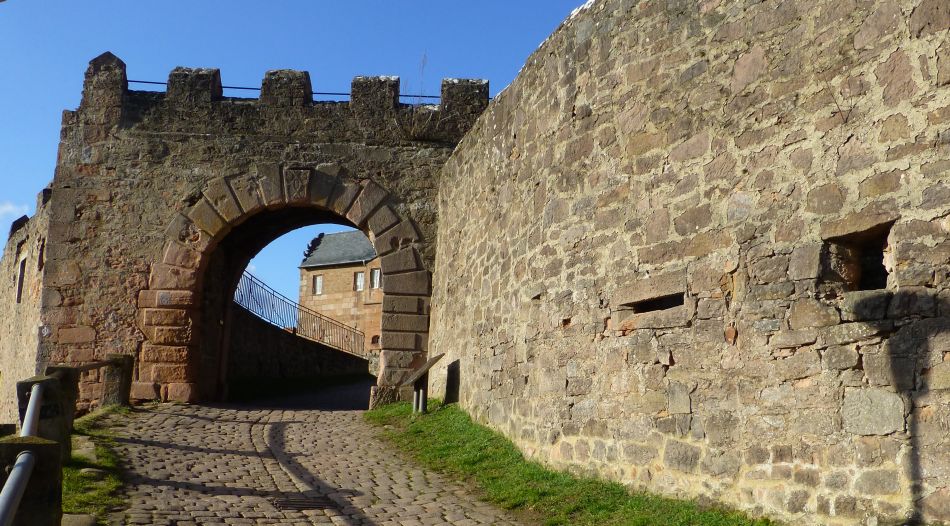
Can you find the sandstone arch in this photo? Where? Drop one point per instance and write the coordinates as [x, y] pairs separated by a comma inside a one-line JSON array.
[[149, 186], [170, 308]]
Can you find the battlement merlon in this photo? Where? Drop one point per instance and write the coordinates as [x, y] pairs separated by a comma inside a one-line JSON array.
[[106, 95]]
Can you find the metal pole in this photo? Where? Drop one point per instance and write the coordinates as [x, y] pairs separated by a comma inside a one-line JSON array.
[[31, 419], [13, 490]]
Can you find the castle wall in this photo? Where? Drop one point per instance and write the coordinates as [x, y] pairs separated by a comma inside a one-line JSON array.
[[21, 300], [701, 248]]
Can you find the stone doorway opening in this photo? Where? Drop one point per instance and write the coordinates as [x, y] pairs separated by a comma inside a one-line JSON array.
[[197, 339]]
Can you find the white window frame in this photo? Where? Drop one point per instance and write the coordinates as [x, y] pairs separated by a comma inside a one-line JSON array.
[[359, 281], [375, 278], [317, 285]]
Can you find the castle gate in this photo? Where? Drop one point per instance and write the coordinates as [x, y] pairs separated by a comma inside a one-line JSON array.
[[159, 201]]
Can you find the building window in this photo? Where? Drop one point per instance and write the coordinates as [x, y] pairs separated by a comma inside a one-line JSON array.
[[19, 280], [359, 281], [317, 287], [375, 278], [374, 340]]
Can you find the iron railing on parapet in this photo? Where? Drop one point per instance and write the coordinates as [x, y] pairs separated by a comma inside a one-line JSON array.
[[281, 311]]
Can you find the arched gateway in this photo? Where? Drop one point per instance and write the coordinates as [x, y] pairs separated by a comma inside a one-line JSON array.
[[160, 199]]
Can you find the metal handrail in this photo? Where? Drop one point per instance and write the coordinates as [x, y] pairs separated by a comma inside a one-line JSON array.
[[279, 310], [31, 418], [15, 486]]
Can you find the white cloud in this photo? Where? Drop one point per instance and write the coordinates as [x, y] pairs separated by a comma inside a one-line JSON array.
[[251, 267], [13, 211]]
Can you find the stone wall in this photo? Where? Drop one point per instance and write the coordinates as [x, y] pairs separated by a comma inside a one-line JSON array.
[[260, 351], [160, 199], [702, 248], [20, 304]]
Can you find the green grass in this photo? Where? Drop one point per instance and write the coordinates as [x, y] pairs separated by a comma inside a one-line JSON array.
[[448, 441], [86, 494]]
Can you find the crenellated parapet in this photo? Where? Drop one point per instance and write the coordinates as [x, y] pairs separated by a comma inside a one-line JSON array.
[[194, 103]]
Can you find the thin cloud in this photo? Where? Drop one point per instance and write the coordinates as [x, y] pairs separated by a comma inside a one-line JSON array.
[[11, 210]]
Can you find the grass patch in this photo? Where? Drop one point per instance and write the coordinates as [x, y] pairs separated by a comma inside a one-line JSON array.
[[88, 494], [448, 441]]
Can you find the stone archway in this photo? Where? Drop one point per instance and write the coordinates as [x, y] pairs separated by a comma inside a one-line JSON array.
[[170, 308]]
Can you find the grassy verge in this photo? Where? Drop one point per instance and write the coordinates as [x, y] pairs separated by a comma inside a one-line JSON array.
[[447, 440], [94, 494]]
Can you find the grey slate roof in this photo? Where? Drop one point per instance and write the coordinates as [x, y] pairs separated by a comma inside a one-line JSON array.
[[339, 249]]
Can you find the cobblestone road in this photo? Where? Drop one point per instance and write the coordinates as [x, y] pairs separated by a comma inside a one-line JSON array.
[[191, 465]]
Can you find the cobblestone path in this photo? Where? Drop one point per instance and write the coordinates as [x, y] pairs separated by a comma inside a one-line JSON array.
[[216, 465]]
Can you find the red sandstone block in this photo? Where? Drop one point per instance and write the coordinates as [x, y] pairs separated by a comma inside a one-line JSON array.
[[393, 376], [165, 317], [80, 334], [401, 235], [343, 196], [90, 391], [272, 187], [400, 261], [382, 219], [368, 200], [296, 185], [169, 277], [322, 183], [247, 192], [181, 392], [144, 391], [78, 353], [415, 283], [398, 359], [219, 195], [166, 372], [152, 353], [179, 255], [406, 304], [168, 335], [206, 218], [405, 322]]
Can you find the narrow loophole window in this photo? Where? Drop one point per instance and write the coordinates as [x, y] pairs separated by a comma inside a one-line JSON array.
[[660, 303], [19, 280]]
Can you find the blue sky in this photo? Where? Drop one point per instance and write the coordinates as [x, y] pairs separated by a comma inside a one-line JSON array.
[[48, 44]]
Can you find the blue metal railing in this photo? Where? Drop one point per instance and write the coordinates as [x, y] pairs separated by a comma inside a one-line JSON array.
[[279, 310]]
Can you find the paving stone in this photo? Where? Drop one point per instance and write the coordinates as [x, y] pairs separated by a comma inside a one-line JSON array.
[[225, 465]]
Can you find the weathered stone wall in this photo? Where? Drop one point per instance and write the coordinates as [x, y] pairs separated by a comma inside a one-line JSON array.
[[260, 351], [20, 304], [159, 199], [650, 244]]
